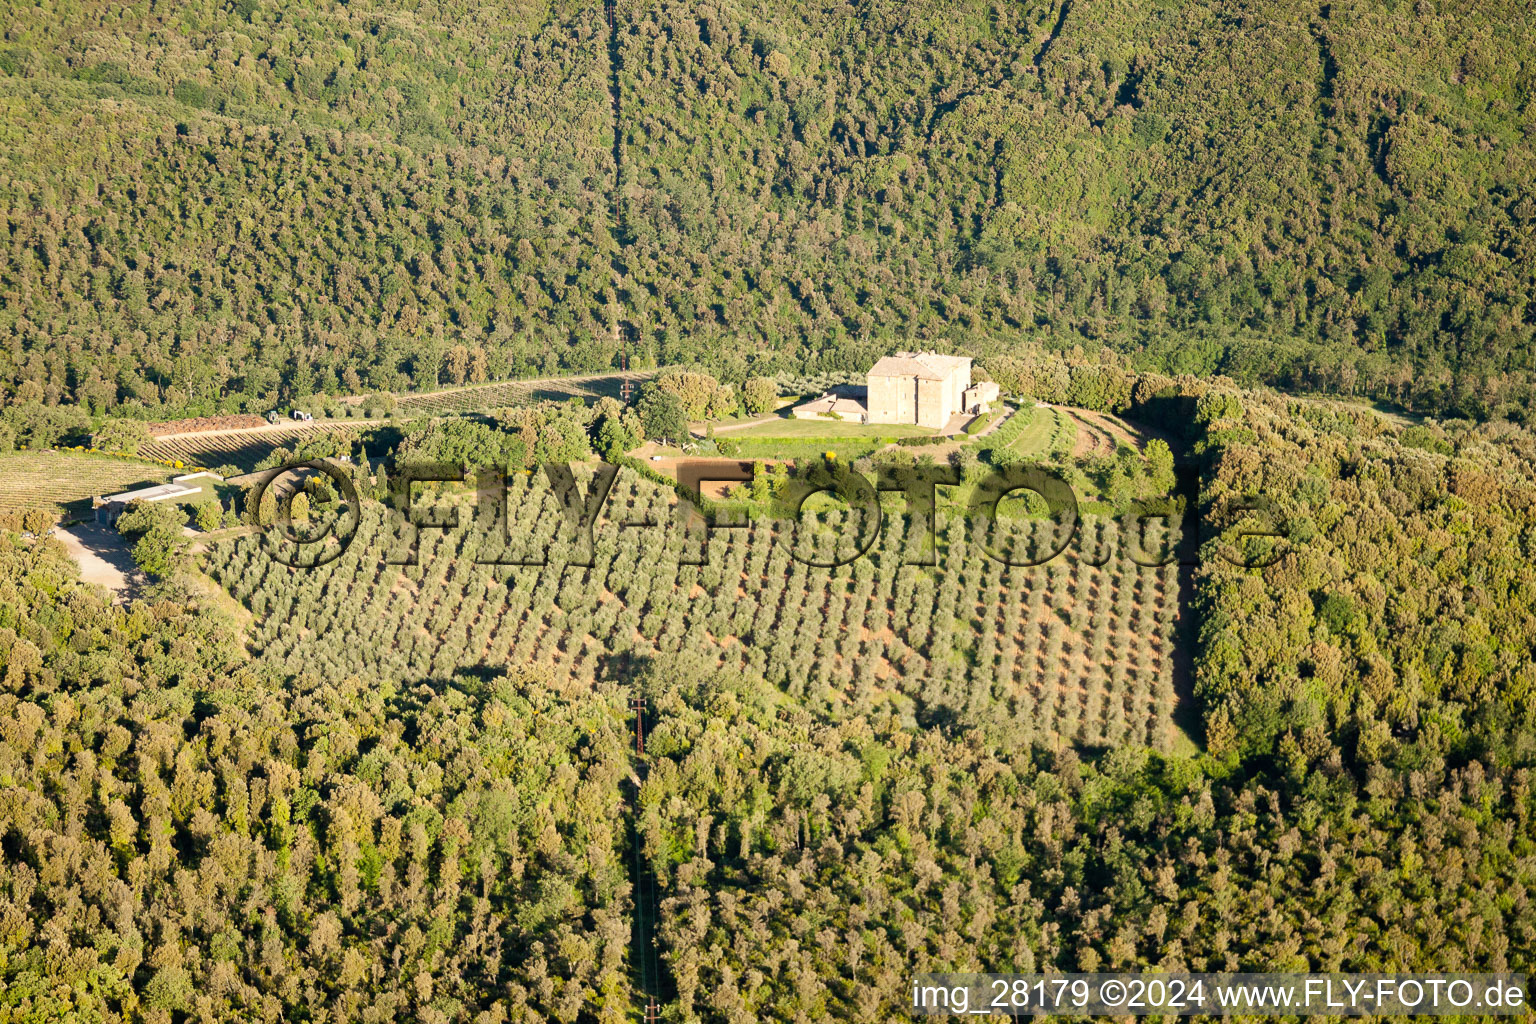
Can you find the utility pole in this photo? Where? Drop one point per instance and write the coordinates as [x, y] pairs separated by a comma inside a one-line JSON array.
[[627, 388], [637, 705]]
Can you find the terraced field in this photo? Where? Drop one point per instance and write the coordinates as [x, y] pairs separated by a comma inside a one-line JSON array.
[[1117, 430], [65, 481], [243, 448], [519, 392], [1093, 438]]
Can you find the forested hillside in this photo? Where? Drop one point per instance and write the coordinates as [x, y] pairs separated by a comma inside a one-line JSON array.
[[361, 810], [1399, 624], [1337, 194], [258, 200], [372, 791], [181, 839], [253, 197]]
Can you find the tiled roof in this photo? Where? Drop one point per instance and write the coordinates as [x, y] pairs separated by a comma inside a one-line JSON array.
[[924, 365], [902, 366], [833, 403]]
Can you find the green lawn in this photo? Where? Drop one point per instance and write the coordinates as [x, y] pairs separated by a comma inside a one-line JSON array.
[[846, 448], [1040, 436], [830, 429]]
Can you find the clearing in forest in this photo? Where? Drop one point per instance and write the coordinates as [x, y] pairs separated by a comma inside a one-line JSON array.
[[1092, 439], [1117, 430], [1068, 652]]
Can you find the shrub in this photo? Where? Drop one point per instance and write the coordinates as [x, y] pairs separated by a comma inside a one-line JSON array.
[[701, 396], [208, 515], [155, 527], [121, 436], [465, 442], [38, 520], [662, 415], [1003, 457], [759, 395]]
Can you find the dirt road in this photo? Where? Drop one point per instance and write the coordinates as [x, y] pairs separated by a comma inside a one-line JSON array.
[[103, 557]]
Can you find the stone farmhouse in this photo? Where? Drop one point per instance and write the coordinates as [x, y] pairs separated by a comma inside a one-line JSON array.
[[923, 389]]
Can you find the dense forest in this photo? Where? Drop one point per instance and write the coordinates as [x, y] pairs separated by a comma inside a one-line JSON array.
[[180, 842], [214, 198], [231, 204], [372, 790]]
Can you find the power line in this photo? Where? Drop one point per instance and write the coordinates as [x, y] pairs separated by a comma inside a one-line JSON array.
[[627, 388], [621, 327], [637, 705], [644, 887], [640, 931]]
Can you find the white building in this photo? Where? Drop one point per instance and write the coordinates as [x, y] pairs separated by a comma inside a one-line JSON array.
[[109, 507]]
